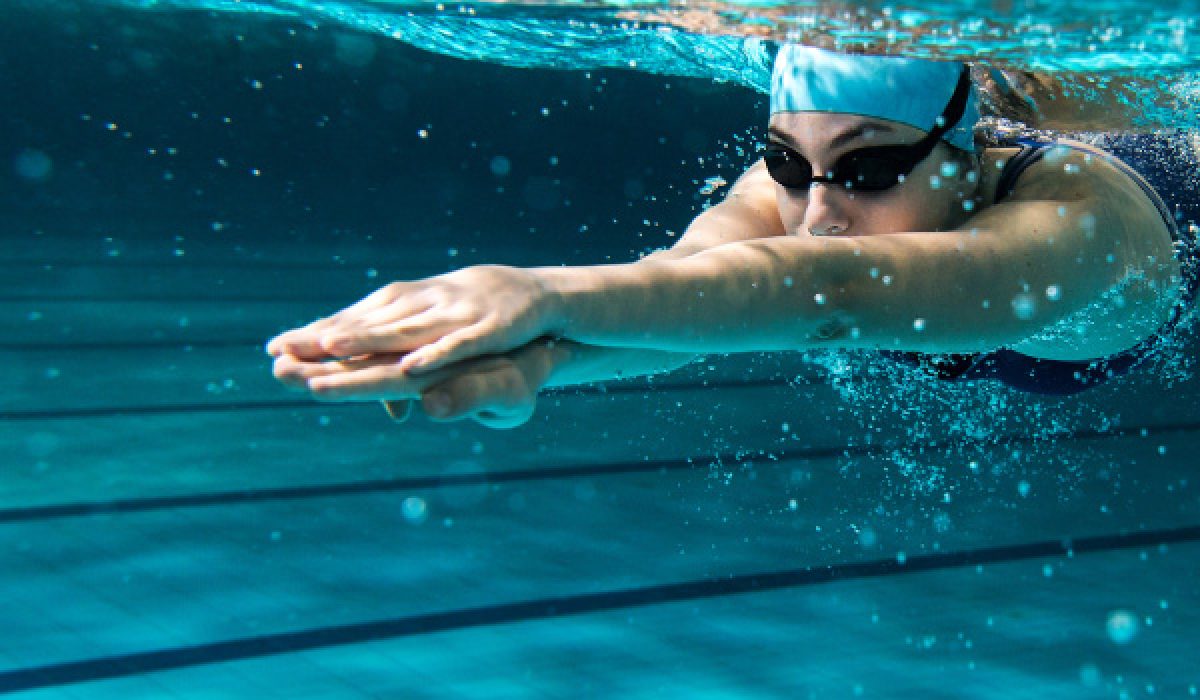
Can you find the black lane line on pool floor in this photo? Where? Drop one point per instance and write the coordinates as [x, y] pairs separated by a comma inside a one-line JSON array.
[[124, 665], [136, 505], [215, 407], [424, 483]]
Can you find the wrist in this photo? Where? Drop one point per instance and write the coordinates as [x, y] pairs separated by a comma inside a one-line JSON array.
[[590, 303], [558, 289]]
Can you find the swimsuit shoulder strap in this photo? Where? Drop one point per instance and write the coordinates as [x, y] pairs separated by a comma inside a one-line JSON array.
[[1030, 153]]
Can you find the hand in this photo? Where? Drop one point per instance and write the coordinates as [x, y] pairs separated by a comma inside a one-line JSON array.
[[499, 391], [431, 323]]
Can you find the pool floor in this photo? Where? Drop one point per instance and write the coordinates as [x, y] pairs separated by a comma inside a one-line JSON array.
[[173, 524]]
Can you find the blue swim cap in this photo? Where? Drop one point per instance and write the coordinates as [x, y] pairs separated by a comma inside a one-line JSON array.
[[911, 91]]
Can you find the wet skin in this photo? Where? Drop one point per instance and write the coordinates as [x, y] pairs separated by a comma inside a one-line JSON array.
[[746, 273]]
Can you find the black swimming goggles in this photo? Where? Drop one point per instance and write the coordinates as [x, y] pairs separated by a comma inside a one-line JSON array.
[[871, 169]]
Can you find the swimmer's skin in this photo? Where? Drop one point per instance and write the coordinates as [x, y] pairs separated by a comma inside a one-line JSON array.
[[911, 270]]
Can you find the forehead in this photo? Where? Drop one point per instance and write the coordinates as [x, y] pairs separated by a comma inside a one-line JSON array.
[[819, 128]]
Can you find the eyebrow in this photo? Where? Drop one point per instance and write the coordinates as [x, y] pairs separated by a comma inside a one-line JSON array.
[[841, 139]]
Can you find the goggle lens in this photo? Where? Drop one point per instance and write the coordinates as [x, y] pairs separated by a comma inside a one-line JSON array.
[[868, 169]]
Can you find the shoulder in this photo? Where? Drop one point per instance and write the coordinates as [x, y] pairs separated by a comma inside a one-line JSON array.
[[1107, 234], [1109, 198], [1070, 170]]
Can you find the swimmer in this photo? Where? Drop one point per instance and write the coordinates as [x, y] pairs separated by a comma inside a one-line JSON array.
[[876, 219]]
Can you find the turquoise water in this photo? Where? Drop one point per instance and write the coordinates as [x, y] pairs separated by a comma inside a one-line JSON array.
[[181, 180]]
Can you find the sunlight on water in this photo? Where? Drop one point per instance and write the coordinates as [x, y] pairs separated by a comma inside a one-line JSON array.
[[1086, 43]]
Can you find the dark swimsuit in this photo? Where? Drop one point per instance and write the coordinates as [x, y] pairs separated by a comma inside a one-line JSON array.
[[1062, 377]]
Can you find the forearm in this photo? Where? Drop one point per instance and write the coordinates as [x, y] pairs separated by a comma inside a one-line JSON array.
[[746, 296], [569, 362], [926, 292]]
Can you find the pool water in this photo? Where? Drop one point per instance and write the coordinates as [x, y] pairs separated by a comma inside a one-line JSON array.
[[180, 181]]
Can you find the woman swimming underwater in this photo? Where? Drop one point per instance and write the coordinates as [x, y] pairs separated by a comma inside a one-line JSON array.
[[874, 220]]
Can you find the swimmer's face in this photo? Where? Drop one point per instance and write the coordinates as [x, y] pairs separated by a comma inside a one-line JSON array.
[[929, 199]]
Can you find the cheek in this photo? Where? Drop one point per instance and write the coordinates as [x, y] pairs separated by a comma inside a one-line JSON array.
[[791, 209], [908, 212]]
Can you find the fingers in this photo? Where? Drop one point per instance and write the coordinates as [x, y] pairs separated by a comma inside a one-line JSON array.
[[494, 392], [294, 372], [503, 422], [372, 383], [398, 336], [458, 345], [305, 342], [496, 398], [359, 379]]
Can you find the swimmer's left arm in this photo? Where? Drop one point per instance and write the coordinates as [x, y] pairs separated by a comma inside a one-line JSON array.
[[1019, 267], [1015, 269]]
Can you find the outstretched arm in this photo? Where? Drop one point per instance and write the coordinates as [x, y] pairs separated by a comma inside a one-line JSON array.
[[1052, 249], [950, 292]]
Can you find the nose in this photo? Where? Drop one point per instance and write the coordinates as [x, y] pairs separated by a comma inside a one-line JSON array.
[[827, 211]]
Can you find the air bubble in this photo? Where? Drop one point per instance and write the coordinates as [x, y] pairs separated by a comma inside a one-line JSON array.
[[1122, 626], [1024, 306], [33, 165], [501, 166], [414, 510]]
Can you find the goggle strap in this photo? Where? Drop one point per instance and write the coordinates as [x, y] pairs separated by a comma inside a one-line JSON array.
[[950, 116]]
